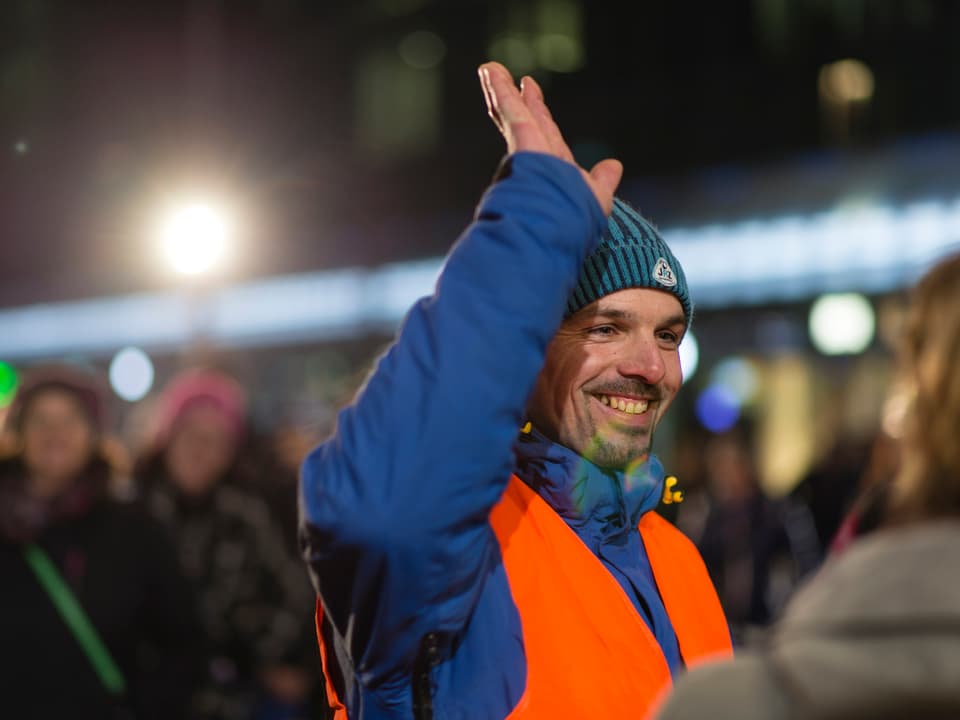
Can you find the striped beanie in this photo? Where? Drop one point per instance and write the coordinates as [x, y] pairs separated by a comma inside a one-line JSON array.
[[631, 254]]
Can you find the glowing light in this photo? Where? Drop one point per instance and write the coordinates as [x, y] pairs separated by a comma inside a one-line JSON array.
[[422, 49], [842, 324], [397, 106], [559, 53], [131, 374], [21, 147], [717, 409], [689, 355], [195, 238], [792, 259], [515, 51], [558, 42], [739, 376], [846, 81], [9, 380]]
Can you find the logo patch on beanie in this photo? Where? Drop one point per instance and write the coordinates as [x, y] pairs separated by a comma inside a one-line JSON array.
[[663, 273]]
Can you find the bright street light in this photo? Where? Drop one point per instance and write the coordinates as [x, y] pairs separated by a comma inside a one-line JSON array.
[[195, 238], [689, 355], [131, 374], [842, 324]]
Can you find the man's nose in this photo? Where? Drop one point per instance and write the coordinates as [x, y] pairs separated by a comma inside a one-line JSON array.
[[642, 359]]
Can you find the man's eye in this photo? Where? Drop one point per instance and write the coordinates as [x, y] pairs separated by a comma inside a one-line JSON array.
[[670, 337], [602, 330]]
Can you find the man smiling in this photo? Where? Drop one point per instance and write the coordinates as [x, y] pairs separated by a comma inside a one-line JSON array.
[[467, 570], [613, 368]]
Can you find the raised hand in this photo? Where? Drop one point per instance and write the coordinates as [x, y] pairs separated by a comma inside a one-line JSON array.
[[525, 122]]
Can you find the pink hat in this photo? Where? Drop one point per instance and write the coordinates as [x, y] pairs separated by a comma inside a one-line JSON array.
[[200, 386]]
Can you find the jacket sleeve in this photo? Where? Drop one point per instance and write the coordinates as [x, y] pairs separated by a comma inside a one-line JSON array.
[[395, 505]]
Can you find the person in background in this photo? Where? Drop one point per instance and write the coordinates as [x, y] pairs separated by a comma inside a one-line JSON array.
[[254, 598], [273, 474], [481, 525], [756, 548], [876, 633], [97, 620], [869, 509], [833, 485]]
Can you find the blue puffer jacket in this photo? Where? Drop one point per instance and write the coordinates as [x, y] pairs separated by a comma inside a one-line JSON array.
[[395, 505]]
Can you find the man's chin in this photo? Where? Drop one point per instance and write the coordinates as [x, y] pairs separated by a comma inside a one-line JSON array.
[[618, 455]]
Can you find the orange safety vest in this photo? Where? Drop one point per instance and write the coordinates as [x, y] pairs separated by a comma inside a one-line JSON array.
[[588, 652]]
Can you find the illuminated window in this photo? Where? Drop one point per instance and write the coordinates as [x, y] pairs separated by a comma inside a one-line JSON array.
[[397, 104]]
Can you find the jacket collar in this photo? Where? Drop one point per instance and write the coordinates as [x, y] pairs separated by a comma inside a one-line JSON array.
[[601, 506]]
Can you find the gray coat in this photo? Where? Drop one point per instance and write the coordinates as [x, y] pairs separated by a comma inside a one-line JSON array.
[[876, 634]]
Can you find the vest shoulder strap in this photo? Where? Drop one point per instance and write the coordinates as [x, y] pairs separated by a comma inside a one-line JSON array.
[[687, 592]]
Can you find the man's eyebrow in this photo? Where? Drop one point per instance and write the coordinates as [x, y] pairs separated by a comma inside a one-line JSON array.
[[614, 313], [676, 320]]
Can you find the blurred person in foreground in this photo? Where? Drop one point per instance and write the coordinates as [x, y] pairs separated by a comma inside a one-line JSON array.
[[253, 596], [97, 620], [875, 634], [480, 526]]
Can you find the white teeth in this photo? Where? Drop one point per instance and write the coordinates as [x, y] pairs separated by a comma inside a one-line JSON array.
[[631, 407]]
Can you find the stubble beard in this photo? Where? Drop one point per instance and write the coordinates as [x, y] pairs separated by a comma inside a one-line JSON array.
[[614, 447], [619, 452]]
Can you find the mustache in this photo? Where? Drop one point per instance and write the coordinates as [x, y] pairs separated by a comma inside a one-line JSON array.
[[626, 387]]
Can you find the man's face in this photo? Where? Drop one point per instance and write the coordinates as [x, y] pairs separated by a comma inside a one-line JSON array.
[[610, 374]]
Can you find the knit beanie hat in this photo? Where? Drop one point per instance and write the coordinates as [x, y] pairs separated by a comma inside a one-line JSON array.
[[631, 254], [200, 386]]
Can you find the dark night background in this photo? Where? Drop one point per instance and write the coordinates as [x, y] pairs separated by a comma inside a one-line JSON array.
[[107, 106], [802, 158]]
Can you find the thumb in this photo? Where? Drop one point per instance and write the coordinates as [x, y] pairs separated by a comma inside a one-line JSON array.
[[606, 176]]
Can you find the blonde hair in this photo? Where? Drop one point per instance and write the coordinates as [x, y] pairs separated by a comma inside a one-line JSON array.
[[928, 482]]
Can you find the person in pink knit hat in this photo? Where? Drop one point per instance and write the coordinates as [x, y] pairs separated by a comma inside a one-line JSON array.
[[254, 598], [200, 425]]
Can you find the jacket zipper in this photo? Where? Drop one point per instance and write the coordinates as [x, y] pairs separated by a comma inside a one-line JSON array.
[[428, 658]]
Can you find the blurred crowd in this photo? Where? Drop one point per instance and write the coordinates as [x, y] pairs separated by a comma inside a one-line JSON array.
[[183, 554], [163, 582]]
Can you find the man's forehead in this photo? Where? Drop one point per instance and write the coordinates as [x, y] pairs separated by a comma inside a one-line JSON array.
[[636, 304]]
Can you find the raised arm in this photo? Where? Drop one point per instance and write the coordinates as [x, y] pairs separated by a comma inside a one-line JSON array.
[[395, 505]]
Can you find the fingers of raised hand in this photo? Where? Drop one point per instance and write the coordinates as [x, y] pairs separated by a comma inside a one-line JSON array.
[[604, 178], [504, 104], [532, 96], [489, 96], [518, 125]]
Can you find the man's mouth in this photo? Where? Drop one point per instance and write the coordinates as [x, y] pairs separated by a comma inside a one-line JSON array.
[[631, 406]]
